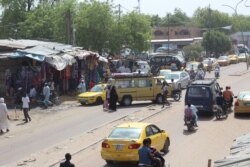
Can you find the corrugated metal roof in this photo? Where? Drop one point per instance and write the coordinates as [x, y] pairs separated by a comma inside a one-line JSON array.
[[239, 154]]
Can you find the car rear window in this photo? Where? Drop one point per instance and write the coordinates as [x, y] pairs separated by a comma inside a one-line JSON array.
[[198, 91], [125, 133]]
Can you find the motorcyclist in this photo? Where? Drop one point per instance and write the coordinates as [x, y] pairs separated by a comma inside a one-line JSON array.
[[191, 108], [228, 95], [217, 71], [220, 101], [192, 73], [201, 74], [146, 157], [209, 65]]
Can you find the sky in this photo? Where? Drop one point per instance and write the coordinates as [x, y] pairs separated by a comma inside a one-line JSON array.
[[161, 7]]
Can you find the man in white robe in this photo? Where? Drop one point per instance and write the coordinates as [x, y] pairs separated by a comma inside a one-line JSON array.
[[4, 123]]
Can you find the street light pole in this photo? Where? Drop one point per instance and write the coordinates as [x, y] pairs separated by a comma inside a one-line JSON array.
[[242, 36]]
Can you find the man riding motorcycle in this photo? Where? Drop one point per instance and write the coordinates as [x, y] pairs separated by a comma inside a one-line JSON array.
[[228, 95], [217, 71], [220, 102], [191, 111]]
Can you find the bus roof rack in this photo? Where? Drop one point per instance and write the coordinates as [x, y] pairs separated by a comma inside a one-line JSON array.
[[130, 75]]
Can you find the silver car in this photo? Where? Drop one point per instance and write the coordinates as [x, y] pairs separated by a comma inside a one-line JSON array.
[[181, 78]]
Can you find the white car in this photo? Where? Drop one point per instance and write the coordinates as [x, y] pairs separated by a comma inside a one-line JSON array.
[[181, 78]]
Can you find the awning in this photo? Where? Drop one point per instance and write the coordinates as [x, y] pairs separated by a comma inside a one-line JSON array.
[[60, 62]]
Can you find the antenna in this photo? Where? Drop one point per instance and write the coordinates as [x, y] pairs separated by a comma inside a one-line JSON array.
[[139, 6]]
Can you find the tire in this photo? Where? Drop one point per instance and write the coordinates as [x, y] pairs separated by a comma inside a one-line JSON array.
[[99, 100], [165, 148], [83, 104], [127, 100], [218, 115], [159, 99], [109, 162], [177, 96]]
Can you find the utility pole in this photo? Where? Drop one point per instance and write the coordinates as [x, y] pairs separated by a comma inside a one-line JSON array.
[[242, 36], [139, 6], [209, 24], [168, 33]]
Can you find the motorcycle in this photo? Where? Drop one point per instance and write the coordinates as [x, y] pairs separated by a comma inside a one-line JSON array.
[[176, 94], [220, 112], [190, 123], [216, 73]]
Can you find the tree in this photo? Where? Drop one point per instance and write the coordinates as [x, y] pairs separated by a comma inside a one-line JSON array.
[[216, 42], [193, 51], [176, 19], [94, 22], [136, 31], [208, 18]]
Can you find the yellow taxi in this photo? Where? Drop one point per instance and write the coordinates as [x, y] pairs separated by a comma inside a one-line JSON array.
[[223, 60], [125, 139], [242, 104], [96, 95], [233, 58]]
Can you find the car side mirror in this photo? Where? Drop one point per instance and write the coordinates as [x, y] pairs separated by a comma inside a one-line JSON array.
[[162, 131]]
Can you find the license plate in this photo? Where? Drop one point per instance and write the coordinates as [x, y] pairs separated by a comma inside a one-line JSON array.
[[118, 147], [199, 106]]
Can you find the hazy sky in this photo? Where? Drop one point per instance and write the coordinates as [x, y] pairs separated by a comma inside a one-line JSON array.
[[161, 7]]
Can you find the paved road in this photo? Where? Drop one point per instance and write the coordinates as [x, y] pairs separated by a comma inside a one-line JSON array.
[[48, 129]]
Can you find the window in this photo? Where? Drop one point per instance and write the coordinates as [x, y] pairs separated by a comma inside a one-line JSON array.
[[199, 91], [144, 83], [125, 83], [149, 131], [155, 129], [125, 133], [158, 33]]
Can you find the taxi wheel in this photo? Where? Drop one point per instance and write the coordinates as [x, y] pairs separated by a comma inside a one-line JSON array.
[[109, 162], [166, 146], [83, 104], [99, 100]]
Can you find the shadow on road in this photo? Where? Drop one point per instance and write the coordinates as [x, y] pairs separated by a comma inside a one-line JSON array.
[[243, 116], [121, 164], [186, 132], [205, 116]]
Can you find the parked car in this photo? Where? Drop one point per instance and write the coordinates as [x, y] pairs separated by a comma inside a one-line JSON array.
[[205, 63], [243, 56], [125, 139], [242, 104], [97, 95], [181, 78], [233, 58], [202, 94], [164, 72], [223, 60]]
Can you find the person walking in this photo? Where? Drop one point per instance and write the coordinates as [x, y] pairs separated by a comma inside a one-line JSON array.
[[82, 87], [164, 92], [26, 101], [46, 93], [4, 123], [67, 163], [113, 99], [107, 100]]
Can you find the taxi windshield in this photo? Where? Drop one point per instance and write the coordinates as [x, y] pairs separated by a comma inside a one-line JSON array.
[[96, 88]]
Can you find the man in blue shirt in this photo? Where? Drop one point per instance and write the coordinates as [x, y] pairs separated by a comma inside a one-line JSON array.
[[145, 155]]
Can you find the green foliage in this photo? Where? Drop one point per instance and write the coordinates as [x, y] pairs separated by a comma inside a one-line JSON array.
[[193, 51], [208, 18], [216, 42], [176, 19], [137, 31]]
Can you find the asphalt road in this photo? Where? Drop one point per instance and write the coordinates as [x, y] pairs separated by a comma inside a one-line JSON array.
[[212, 139]]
